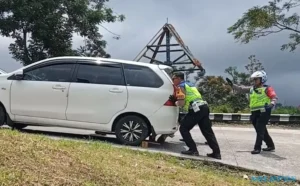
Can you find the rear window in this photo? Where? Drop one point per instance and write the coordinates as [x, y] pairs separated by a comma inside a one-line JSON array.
[[141, 76]]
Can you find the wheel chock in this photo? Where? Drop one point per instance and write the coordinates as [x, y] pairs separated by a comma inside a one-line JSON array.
[[144, 144]]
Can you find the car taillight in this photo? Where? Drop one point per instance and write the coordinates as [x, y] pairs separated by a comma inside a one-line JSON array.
[[170, 103]]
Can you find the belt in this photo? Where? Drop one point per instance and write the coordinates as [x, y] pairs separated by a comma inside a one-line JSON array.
[[200, 102]]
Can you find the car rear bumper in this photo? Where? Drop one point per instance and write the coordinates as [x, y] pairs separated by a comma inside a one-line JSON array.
[[165, 120]]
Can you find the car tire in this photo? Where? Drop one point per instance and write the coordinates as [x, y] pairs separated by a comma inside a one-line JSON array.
[[2, 116], [131, 130]]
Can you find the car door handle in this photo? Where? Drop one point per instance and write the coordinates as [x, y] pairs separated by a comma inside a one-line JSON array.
[[58, 87], [115, 90]]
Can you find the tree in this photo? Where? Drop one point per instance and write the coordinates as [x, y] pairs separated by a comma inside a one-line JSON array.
[[93, 49], [214, 89], [261, 21], [238, 77], [239, 101], [45, 28], [243, 78], [254, 65]]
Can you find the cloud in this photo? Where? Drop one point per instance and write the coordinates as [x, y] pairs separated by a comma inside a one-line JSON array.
[[203, 27]]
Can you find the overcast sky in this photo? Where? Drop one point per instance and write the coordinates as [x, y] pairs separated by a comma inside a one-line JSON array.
[[203, 27]]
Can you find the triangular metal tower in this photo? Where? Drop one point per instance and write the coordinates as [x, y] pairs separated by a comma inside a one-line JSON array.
[[152, 50]]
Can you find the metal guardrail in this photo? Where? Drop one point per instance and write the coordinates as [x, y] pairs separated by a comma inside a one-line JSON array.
[[246, 117]]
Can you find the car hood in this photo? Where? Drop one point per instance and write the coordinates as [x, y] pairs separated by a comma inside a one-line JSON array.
[[4, 76]]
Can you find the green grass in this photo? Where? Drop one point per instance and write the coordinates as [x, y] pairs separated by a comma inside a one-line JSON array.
[[27, 159]]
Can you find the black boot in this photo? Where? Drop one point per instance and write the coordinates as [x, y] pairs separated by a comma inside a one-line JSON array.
[[190, 152], [214, 155], [255, 151], [269, 149]]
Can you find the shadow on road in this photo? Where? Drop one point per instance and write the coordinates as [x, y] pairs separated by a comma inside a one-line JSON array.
[[272, 155], [265, 154]]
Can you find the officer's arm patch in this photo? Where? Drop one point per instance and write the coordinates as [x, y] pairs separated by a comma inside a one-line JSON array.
[[180, 93]]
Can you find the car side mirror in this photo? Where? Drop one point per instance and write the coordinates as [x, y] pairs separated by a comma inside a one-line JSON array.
[[19, 75]]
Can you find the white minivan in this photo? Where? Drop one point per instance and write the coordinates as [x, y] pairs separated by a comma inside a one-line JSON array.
[[126, 98]]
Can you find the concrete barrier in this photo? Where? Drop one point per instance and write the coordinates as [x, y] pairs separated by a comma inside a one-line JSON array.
[[246, 117]]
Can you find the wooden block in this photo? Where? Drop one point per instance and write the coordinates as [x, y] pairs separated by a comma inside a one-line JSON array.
[[144, 144]]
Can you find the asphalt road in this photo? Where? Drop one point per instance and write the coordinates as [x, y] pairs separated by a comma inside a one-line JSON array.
[[235, 143]]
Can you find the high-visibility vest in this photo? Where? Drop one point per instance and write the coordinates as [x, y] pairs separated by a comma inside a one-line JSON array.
[[191, 94], [258, 98]]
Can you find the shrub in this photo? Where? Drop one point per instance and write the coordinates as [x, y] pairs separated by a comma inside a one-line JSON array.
[[221, 109]]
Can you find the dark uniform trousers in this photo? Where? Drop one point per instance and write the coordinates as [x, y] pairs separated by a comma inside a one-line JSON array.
[[260, 120], [202, 119]]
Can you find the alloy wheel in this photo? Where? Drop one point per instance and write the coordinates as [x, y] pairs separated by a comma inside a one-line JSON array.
[[131, 131]]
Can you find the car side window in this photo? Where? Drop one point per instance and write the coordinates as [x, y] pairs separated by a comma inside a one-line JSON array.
[[55, 72], [106, 74], [141, 76]]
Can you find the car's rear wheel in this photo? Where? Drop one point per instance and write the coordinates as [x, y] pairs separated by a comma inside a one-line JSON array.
[[2, 116], [131, 130]]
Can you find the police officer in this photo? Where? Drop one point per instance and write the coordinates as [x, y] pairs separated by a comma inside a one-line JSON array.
[[262, 100], [197, 113]]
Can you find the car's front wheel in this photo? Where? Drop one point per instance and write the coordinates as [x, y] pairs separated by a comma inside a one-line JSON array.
[[131, 130]]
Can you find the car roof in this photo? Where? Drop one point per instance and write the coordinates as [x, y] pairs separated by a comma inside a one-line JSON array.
[[98, 59]]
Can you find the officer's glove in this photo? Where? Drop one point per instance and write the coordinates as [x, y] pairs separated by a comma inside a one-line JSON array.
[[229, 82], [173, 98], [269, 106]]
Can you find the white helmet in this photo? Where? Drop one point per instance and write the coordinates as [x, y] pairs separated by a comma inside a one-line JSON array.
[[260, 74]]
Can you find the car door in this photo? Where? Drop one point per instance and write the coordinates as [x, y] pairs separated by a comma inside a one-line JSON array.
[[43, 91], [97, 93]]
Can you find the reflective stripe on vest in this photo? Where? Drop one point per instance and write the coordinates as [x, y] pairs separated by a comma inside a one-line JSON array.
[[191, 94], [258, 99]]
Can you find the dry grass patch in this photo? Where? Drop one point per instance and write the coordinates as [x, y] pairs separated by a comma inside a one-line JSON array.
[[36, 160]]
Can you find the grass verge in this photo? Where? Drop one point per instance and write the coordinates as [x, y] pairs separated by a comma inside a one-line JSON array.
[[28, 159]]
